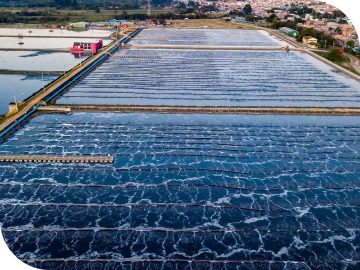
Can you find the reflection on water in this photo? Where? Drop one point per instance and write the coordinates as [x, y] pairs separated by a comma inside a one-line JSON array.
[[41, 61], [45, 43], [22, 85], [276, 188]]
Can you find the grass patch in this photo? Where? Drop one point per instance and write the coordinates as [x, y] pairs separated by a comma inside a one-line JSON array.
[[70, 16], [344, 62]]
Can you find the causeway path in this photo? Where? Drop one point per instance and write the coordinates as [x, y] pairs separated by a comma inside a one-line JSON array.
[[37, 99], [212, 110]]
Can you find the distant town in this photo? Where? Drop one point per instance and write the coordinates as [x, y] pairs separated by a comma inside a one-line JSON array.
[[328, 25]]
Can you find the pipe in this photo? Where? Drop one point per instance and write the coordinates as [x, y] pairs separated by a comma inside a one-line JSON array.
[[68, 84]]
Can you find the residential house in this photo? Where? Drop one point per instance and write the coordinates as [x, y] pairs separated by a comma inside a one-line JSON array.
[[310, 42]]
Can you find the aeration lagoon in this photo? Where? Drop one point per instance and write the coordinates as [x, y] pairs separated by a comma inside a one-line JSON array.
[[189, 190]]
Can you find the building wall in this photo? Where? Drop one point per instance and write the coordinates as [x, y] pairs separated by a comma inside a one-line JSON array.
[[307, 41]]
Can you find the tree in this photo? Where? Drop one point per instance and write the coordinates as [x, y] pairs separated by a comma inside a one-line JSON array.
[[350, 43], [335, 54], [182, 5], [271, 18], [338, 30], [247, 9], [97, 9]]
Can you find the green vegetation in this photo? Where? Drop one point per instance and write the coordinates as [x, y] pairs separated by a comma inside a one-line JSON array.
[[247, 9], [54, 16], [350, 43], [342, 61], [320, 36], [335, 55]]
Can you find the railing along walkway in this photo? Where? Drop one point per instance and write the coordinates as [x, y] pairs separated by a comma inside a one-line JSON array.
[[217, 110], [63, 159]]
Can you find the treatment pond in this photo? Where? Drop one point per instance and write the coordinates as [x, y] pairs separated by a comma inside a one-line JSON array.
[[215, 78], [184, 190]]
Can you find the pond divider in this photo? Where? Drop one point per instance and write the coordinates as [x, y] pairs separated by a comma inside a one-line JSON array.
[[215, 110], [135, 56], [62, 159]]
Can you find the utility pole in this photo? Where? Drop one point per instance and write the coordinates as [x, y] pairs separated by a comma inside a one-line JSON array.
[[148, 8], [17, 109], [42, 75]]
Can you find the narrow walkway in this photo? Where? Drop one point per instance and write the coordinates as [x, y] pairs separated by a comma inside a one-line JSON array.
[[50, 36], [64, 50], [4, 71], [197, 47], [41, 96], [63, 159], [215, 110]]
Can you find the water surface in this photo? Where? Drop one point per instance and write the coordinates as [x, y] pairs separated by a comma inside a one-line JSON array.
[[37, 60], [276, 188], [22, 85], [207, 37], [45, 43], [216, 78]]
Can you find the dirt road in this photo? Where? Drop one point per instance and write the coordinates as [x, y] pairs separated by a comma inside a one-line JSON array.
[[355, 62]]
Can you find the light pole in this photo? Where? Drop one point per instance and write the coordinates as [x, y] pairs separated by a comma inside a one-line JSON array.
[[42, 75], [16, 106]]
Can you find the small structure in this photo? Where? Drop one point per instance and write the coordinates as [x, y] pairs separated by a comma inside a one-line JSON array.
[[310, 42], [286, 48], [83, 25], [240, 19], [87, 46], [290, 32]]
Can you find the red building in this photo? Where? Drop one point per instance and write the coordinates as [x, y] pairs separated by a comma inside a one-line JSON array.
[[87, 46]]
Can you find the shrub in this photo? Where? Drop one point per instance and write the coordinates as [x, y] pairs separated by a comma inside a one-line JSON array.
[[335, 55]]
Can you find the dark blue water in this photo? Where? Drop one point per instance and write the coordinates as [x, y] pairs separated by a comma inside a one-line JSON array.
[[216, 78], [283, 190]]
